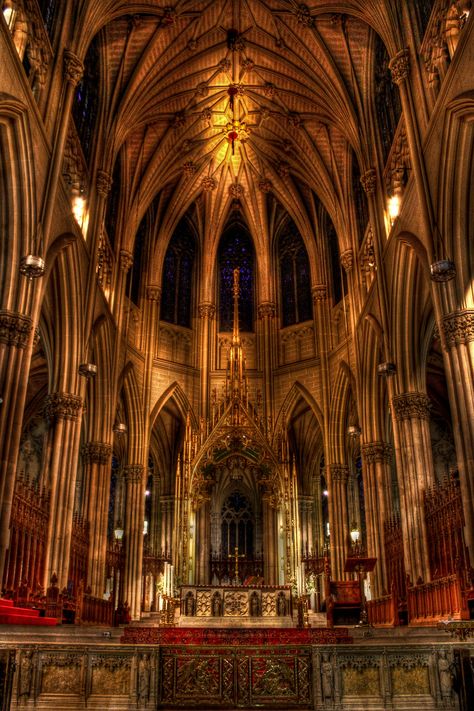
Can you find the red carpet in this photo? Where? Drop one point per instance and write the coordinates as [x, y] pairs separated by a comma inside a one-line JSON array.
[[234, 637], [11, 615]]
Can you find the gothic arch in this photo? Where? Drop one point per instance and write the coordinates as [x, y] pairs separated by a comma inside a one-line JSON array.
[[175, 392], [296, 392]]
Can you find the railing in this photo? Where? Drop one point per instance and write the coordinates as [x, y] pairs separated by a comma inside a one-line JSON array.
[[383, 611], [428, 603], [94, 610]]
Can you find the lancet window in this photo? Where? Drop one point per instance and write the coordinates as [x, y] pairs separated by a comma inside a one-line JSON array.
[[387, 99], [86, 100], [237, 525], [236, 251], [177, 277], [49, 11], [295, 277]]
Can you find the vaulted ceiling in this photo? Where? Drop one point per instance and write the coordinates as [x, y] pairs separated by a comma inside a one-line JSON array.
[[292, 83]]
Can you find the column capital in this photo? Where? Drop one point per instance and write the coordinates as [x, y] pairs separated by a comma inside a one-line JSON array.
[[126, 260], [378, 451], [347, 259], [15, 329], [63, 406], [369, 181], [73, 67], [339, 472], [206, 310], [458, 327], [133, 472], [103, 183], [96, 452], [400, 66], [266, 309], [411, 405], [153, 293], [319, 292]]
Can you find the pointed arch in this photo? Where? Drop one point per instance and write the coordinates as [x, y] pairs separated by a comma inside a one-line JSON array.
[[175, 392]]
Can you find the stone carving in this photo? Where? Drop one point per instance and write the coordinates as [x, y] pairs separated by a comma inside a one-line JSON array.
[[62, 406], [265, 186], [111, 675], [203, 603], [133, 473], [236, 604], [179, 120], [283, 169], [319, 292], [339, 472], [15, 329], [208, 184], [266, 309], [347, 259], [153, 293], [369, 181], [400, 66], [103, 182], [96, 452], [269, 90], [73, 67], [374, 452], [126, 260], [303, 15], [189, 168], [143, 679], [458, 327], [445, 676], [327, 678], [410, 405], [268, 604], [26, 675], [207, 310], [236, 191]]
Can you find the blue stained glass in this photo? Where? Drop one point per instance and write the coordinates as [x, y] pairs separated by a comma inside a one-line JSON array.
[[295, 277], [177, 277], [236, 251]]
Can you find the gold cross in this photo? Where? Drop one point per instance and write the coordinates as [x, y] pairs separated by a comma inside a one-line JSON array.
[[236, 555]]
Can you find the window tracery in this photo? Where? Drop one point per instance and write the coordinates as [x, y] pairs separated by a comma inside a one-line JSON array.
[[86, 101], [177, 277], [387, 99], [295, 277], [237, 525], [236, 251]]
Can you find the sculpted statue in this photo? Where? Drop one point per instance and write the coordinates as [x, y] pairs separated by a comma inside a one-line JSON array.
[[327, 677], [445, 674], [143, 678]]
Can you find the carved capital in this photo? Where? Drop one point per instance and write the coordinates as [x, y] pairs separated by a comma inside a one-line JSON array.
[[103, 183], [133, 473], [458, 327], [153, 293], [96, 452], [339, 472], [207, 310], [15, 329], [411, 405], [375, 452], [347, 259], [369, 181], [62, 406], [266, 309], [400, 66], [320, 292], [73, 67], [236, 191], [126, 260]]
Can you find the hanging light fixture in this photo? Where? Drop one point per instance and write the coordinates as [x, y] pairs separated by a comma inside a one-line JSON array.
[[120, 428], [386, 369], [353, 431], [88, 370], [32, 266], [443, 270]]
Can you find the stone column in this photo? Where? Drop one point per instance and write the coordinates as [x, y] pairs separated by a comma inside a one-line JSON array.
[[266, 313], [73, 70], [377, 478], [457, 332], [96, 458], [133, 538], [63, 410], [15, 336], [270, 552], [166, 506], [202, 544], [413, 454], [207, 313], [338, 519], [155, 523], [306, 523]]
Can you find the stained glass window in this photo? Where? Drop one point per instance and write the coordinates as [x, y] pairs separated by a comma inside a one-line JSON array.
[[177, 277], [48, 10], [295, 277], [236, 251], [136, 270], [334, 258], [387, 99], [237, 525], [111, 213], [86, 100]]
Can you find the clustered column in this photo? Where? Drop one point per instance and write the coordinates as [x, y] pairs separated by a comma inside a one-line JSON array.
[[96, 459], [266, 312], [338, 515], [63, 411], [415, 475], [207, 312], [377, 457], [133, 535]]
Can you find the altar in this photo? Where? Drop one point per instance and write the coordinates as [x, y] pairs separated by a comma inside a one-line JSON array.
[[241, 601]]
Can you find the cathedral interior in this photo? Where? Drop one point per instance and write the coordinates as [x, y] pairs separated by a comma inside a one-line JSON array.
[[237, 354]]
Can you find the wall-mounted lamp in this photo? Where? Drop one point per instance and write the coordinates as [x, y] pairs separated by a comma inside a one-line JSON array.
[[386, 369], [353, 431], [120, 428], [442, 270]]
